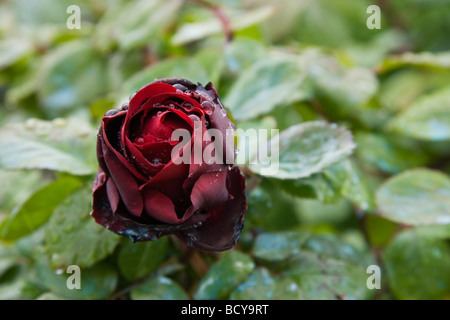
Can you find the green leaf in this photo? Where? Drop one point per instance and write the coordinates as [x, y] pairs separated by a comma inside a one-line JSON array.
[[61, 145], [265, 85], [231, 270], [379, 230], [328, 268], [437, 61], [427, 119], [49, 296], [316, 186], [194, 31], [149, 19], [260, 285], [137, 260], [11, 50], [388, 154], [73, 237], [242, 53], [347, 89], [17, 186], [350, 182], [416, 197], [417, 266], [71, 76], [159, 288], [37, 209], [97, 282], [305, 149], [271, 208], [279, 246]]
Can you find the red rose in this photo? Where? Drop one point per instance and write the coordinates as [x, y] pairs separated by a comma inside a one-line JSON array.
[[143, 191]]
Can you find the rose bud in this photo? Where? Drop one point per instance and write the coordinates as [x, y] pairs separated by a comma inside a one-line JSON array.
[[166, 167]]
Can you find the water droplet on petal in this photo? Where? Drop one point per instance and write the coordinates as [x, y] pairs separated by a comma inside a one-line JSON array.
[[140, 140], [180, 87], [223, 112], [111, 113], [208, 107], [194, 118], [158, 113], [132, 96], [188, 106]]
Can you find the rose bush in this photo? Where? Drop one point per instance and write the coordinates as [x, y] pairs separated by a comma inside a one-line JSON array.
[[142, 192]]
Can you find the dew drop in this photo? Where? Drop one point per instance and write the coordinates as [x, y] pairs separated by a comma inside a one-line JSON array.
[[111, 113], [140, 140], [194, 118], [132, 96], [125, 106], [172, 106], [208, 107], [180, 87], [158, 113], [188, 106], [157, 104], [223, 112], [156, 161]]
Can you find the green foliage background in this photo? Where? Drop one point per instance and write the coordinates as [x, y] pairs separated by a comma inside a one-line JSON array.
[[364, 120]]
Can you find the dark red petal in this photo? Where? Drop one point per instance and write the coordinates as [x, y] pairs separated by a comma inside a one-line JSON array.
[[147, 92], [109, 132], [156, 152], [113, 194], [116, 222], [221, 230], [169, 182], [155, 126], [125, 181], [198, 169], [210, 190], [160, 207]]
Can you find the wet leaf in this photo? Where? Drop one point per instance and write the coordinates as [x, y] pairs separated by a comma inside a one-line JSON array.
[[37, 209], [305, 149], [231, 270], [73, 237], [60, 145], [417, 266], [265, 85], [416, 197], [137, 260], [159, 288], [428, 118]]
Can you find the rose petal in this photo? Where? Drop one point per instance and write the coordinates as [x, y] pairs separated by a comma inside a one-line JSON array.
[[210, 190], [156, 152], [113, 194], [125, 181], [169, 182], [160, 207], [116, 222], [108, 136], [148, 91], [221, 230]]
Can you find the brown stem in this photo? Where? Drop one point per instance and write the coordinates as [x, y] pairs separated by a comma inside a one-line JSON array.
[[220, 14]]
